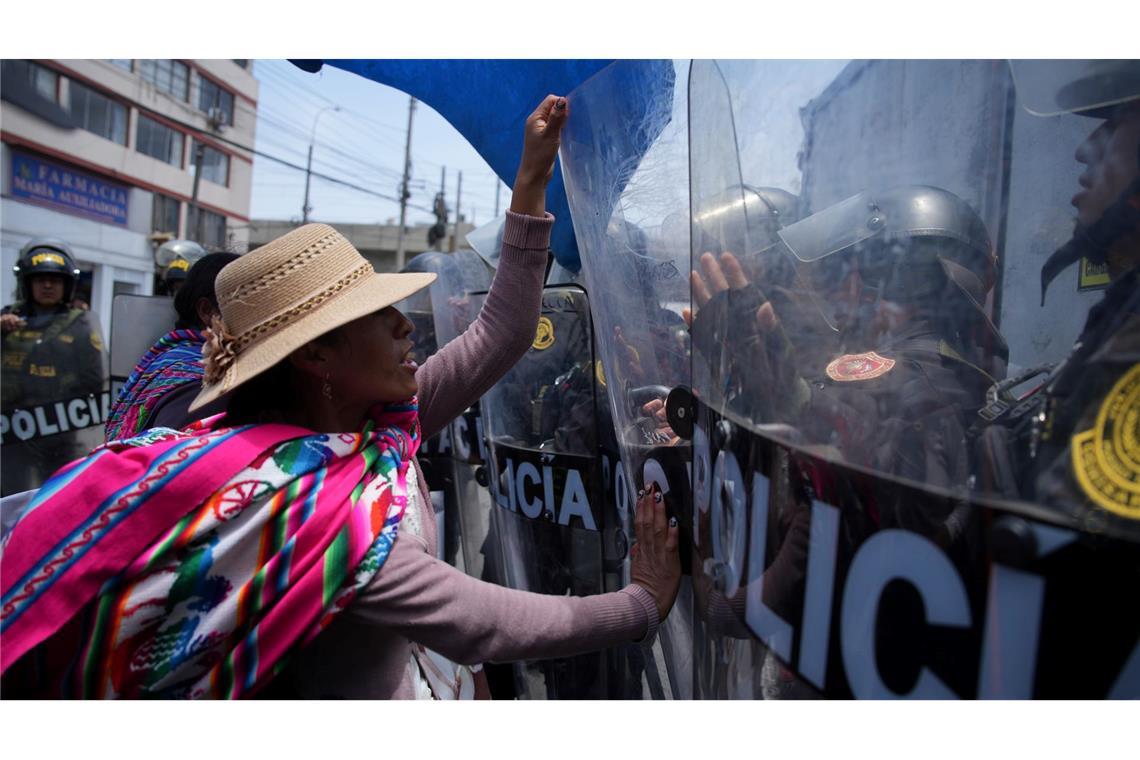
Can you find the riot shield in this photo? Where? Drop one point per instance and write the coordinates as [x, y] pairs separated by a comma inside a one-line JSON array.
[[626, 183], [454, 308], [852, 531], [55, 395], [554, 530], [435, 454]]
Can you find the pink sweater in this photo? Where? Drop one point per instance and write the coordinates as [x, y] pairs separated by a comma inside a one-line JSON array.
[[364, 653]]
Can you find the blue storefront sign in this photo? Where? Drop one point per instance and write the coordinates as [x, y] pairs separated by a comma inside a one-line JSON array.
[[68, 189]]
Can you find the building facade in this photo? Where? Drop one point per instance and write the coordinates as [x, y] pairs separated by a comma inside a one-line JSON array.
[[104, 154]]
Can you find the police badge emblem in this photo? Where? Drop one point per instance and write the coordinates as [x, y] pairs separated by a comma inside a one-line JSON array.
[[1106, 458], [544, 337], [850, 367]]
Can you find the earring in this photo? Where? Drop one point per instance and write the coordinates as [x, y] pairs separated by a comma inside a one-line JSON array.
[[326, 388]]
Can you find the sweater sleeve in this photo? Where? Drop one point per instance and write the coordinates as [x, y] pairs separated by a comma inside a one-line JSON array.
[[459, 373], [470, 621]]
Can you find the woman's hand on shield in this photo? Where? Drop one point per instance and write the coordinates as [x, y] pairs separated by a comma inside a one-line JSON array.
[[541, 139], [656, 558]]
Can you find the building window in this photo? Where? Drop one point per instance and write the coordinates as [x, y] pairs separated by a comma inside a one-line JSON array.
[[97, 113], [210, 95], [213, 228], [42, 79], [167, 75], [243, 62], [164, 216], [122, 63], [159, 141], [215, 164]]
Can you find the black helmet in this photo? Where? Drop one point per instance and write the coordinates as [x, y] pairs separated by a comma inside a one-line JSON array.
[[872, 224], [46, 256], [911, 240]]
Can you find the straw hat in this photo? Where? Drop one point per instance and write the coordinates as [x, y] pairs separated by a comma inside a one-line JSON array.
[[286, 293]]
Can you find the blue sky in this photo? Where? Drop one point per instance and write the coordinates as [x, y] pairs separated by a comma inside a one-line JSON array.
[[362, 143]]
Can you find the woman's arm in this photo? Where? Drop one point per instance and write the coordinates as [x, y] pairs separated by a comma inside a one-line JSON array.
[[470, 621], [459, 373]]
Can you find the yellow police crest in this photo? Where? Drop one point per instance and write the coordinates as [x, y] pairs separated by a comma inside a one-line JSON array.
[[1106, 458], [48, 258], [544, 338]]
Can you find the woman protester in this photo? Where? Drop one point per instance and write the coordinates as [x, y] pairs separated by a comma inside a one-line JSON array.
[[286, 543], [162, 385]]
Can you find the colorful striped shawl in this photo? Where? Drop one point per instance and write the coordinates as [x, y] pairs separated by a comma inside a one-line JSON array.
[[191, 564], [173, 361]]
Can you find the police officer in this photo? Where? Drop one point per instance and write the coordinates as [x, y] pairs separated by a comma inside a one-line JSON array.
[[899, 276], [51, 352], [177, 256], [1072, 446]]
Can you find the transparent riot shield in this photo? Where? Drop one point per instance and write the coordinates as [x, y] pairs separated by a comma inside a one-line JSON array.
[[55, 395], [454, 308], [436, 453], [625, 169], [554, 530], [896, 493]]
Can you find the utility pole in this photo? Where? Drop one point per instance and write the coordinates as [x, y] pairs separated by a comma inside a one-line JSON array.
[[404, 194], [195, 220], [458, 196], [498, 187], [305, 209]]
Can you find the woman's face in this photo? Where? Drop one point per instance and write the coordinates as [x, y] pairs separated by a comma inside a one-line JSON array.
[[372, 362]]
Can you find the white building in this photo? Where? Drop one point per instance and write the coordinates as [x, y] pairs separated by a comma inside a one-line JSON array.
[[102, 154]]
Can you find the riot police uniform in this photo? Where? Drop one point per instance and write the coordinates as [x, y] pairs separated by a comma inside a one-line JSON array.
[[898, 400], [52, 357], [1072, 444]]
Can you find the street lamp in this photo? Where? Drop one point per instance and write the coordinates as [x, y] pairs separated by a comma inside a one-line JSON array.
[[305, 209]]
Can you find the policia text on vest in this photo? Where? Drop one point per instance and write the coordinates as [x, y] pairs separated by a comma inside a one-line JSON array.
[[20, 425]]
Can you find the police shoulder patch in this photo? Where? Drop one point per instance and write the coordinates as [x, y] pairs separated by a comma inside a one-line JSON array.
[[1106, 458], [851, 367], [544, 338]]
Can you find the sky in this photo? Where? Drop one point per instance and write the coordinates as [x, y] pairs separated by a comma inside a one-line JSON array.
[[362, 144]]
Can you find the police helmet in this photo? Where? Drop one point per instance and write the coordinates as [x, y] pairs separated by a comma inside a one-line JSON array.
[[173, 250], [46, 256], [1087, 87], [744, 219], [884, 228]]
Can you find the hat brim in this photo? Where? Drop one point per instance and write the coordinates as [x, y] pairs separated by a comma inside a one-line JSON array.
[[372, 294]]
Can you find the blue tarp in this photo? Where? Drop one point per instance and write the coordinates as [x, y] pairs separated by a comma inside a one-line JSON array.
[[487, 101]]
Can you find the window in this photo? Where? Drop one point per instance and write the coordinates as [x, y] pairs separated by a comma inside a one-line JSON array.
[[97, 113], [211, 95], [213, 228], [243, 62], [42, 79], [159, 141], [164, 216], [167, 75], [122, 63], [215, 164]]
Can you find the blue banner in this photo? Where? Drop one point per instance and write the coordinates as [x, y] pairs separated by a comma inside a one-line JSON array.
[[488, 101], [68, 189]]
